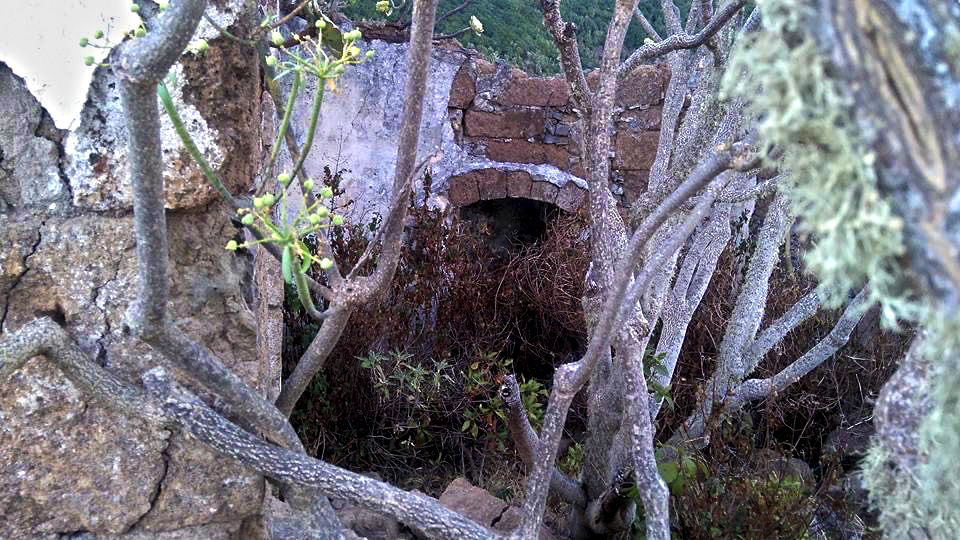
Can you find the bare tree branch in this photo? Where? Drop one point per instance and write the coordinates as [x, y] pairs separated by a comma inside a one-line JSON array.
[[353, 292], [671, 16], [759, 191], [141, 65], [416, 510], [528, 443], [758, 388], [682, 41], [689, 287], [565, 37], [452, 12], [744, 321], [638, 422], [647, 27], [45, 337], [805, 308], [569, 378]]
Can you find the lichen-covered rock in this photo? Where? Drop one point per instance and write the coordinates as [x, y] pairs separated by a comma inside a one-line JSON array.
[[69, 464], [97, 154], [212, 93], [24, 155]]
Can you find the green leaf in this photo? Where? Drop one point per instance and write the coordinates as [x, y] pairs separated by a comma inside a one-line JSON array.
[[676, 488], [465, 426], [307, 259], [668, 471], [286, 264]]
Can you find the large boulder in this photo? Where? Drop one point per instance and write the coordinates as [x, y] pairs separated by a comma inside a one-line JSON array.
[[69, 464]]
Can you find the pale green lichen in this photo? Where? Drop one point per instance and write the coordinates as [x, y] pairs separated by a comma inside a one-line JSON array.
[[782, 72], [921, 501], [856, 234], [940, 434]]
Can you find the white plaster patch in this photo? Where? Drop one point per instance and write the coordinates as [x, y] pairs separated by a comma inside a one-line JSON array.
[[39, 40]]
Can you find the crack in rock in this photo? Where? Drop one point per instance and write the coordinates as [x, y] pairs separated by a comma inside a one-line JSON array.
[[26, 268], [158, 490]]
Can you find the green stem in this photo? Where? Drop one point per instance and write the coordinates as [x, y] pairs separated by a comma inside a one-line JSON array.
[[297, 78], [303, 293], [191, 147], [224, 32], [314, 117]]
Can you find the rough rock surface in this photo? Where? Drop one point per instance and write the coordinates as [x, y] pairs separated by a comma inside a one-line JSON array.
[[69, 465], [482, 507], [28, 161]]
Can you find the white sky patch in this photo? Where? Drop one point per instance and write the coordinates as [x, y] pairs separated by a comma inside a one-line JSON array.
[[39, 41]]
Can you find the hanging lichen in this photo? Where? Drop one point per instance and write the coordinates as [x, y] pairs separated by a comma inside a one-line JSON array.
[[782, 74]]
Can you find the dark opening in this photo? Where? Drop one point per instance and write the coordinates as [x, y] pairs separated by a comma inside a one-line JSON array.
[[510, 223], [515, 229]]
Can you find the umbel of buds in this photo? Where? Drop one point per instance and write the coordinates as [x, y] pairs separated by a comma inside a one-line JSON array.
[[476, 25]]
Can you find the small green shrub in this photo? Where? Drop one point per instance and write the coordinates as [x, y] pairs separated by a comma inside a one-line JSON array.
[[414, 380]]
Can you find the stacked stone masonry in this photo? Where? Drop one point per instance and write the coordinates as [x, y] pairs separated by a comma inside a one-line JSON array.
[[501, 114]]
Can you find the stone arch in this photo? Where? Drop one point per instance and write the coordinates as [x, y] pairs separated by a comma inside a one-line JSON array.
[[496, 183]]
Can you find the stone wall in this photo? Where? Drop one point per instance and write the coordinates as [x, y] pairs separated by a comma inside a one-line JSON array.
[[70, 466], [497, 131], [501, 114]]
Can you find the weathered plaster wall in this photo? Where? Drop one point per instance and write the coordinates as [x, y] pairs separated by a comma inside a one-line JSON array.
[[68, 464], [500, 133]]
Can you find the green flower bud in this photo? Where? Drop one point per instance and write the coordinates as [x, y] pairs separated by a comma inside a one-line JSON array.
[[232, 245], [326, 192], [370, 53], [320, 24], [268, 200], [338, 220], [140, 32], [354, 51], [84, 42], [313, 219], [325, 263], [247, 219], [98, 34], [88, 60], [383, 6], [258, 202], [277, 38], [308, 185], [272, 61], [202, 45], [135, 8], [323, 211], [284, 179]]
